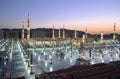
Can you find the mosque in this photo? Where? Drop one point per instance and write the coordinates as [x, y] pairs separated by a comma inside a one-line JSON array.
[[76, 51], [59, 38], [59, 56]]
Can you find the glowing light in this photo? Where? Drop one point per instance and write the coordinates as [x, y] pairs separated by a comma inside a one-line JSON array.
[[71, 61], [53, 52], [39, 58], [92, 62], [65, 57], [44, 53], [100, 56], [11, 56], [46, 64], [111, 59], [102, 61], [5, 63], [51, 69], [50, 56]]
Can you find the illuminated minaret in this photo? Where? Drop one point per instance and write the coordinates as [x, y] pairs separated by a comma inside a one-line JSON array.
[[101, 38], [83, 38], [114, 32], [63, 32], [59, 33], [86, 33], [23, 31], [75, 36], [28, 27], [53, 33]]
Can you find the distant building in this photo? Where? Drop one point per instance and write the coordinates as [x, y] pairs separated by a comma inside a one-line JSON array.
[[38, 34], [11, 33], [1, 34], [23, 32]]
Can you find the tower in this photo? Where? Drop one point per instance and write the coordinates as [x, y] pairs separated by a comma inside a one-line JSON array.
[[86, 33], [63, 32], [23, 31], [75, 35], [28, 27], [114, 37], [59, 33], [101, 38], [53, 33], [83, 38]]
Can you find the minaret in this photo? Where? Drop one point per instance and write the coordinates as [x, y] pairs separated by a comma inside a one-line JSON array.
[[28, 27], [86, 33], [59, 33], [53, 33], [23, 31], [63, 32], [114, 37], [83, 38], [75, 36], [101, 38]]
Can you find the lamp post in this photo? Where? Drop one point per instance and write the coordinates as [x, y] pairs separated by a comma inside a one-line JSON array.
[[28, 58], [31, 62], [71, 47]]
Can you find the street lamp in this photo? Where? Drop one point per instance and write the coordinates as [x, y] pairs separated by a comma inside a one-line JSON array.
[[50, 57], [31, 62]]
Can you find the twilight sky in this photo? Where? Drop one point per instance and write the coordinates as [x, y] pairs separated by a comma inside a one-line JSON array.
[[96, 15]]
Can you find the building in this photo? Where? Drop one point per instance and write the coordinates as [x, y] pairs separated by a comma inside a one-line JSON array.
[[1, 34]]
